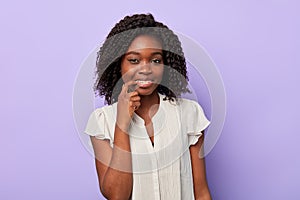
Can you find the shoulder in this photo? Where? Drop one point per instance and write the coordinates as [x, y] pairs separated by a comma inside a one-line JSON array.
[[101, 123], [192, 113], [189, 106], [107, 110], [183, 104], [186, 108], [100, 117]]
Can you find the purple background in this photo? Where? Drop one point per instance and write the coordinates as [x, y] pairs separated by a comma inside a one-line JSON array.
[[255, 45]]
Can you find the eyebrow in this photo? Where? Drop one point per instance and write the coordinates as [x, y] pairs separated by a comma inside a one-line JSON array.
[[137, 53]]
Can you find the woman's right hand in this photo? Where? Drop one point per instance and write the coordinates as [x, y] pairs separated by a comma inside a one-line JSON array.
[[128, 103]]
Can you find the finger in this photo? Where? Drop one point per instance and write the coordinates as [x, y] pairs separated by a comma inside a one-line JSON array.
[[132, 88], [128, 86], [133, 94], [136, 105], [135, 98], [129, 83]]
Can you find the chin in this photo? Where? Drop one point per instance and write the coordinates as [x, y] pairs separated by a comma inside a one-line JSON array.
[[146, 91]]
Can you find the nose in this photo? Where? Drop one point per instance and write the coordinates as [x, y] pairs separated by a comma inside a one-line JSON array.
[[145, 68]]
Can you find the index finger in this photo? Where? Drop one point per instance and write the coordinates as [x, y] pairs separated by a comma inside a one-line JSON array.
[[129, 86]]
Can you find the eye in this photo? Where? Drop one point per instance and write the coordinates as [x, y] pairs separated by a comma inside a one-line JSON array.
[[156, 61], [133, 61]]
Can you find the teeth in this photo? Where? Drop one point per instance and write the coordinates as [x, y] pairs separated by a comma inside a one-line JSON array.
[[143, 82]]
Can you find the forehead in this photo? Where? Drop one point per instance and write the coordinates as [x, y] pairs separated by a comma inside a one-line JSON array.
[[145, 42]]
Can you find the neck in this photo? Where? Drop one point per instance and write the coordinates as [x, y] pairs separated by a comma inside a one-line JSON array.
[[149, 100], [149, 105]]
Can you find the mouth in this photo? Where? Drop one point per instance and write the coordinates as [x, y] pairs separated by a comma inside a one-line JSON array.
[[144, 83]]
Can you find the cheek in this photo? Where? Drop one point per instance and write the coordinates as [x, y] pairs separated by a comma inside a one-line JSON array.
[[162, 76], [124, 69], [127, 73], [160, 73]]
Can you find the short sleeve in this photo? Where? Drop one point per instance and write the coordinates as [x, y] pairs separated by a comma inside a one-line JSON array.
[[196, 121], [98, 126]]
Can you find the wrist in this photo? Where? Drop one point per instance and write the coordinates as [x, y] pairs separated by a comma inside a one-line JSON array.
[[123, 125]]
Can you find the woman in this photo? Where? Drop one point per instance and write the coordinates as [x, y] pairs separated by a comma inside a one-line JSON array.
[[147, 139]]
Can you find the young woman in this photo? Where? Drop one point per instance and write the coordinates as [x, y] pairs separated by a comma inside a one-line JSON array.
[[147, 140]]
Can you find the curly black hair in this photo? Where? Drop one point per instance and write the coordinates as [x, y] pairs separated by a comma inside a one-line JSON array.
[[108, 65]]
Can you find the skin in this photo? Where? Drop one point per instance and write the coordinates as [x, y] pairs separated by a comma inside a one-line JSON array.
[[143, 61]]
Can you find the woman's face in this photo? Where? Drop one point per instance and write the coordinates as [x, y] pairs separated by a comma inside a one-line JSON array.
[[143, 64]]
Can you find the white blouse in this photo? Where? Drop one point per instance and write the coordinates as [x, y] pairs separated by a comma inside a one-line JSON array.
[[162, 171]]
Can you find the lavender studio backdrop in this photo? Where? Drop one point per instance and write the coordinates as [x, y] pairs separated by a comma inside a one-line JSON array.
[[255, 45]]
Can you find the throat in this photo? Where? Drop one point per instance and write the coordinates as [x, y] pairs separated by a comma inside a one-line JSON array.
[[149, 107]]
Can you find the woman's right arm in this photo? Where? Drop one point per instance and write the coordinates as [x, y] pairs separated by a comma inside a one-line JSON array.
[[114, 164]]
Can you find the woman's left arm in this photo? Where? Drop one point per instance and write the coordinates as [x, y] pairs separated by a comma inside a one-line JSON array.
[[201, 190]]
